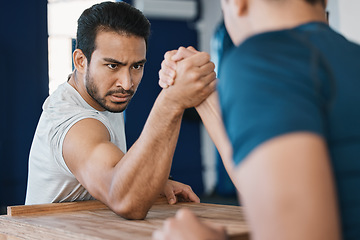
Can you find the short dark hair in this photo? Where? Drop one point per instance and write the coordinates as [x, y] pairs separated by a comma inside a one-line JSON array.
[[120, 17], [313, 2], [316, 1]]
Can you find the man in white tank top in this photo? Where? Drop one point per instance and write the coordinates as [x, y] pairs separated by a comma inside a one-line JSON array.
[[79, 150]]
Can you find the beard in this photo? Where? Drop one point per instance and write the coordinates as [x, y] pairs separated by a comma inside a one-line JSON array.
[[110, 106]]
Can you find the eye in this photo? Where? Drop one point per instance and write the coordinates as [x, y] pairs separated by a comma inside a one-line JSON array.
[[112, 65], [138, 66]]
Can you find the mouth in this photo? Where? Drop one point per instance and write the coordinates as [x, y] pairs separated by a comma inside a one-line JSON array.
[[120, 98]]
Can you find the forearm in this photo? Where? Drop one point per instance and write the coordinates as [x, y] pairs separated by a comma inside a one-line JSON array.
[[141, 174], [145, 168], [209, 111]]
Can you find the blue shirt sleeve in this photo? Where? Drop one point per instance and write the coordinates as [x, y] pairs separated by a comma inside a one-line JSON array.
[[270, 87]]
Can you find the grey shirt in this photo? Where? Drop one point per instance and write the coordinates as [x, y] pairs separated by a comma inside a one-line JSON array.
[[49, 178]]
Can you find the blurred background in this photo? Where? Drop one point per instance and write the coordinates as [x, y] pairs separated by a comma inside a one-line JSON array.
[[36, 44]]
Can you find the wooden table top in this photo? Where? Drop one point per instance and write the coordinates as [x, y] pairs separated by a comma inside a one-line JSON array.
[[93, 220]]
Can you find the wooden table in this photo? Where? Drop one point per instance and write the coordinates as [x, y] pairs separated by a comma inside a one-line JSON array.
[[93, 220]]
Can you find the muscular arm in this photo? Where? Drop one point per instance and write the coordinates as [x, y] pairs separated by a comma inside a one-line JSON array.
[[130, 183], [287, 189]]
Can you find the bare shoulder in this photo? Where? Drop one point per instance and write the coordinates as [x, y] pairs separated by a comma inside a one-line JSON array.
[[89, 128], [82, 140]]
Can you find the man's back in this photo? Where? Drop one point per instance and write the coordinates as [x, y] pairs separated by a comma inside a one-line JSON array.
[[304, 79], [343, 126]]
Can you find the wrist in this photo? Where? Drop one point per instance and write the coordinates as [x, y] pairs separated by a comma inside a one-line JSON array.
[[170, 104]]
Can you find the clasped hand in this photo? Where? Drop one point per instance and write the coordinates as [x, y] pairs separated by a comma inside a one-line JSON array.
[[188, 76]]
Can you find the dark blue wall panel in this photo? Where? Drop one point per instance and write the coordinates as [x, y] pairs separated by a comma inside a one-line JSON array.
[[24, 86]]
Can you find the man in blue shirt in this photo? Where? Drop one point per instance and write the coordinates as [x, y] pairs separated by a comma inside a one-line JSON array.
[[289, 96]]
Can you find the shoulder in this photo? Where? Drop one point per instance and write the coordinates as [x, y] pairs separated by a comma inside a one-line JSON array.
[[64, 96], [268, 88], [66, 104], [270, 49], [281, 58], [263, 62], [66, 108]]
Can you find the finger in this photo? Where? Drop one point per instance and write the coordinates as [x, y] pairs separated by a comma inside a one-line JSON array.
[[182, 53], [167, 70], [211, 87], [165, 78], [209, 78], [167, 57], [207, 68], [162, 84], [191, 48], [170, 196], [197, 59], [189, 194]]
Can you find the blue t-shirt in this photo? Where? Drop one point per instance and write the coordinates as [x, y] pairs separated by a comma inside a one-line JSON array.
[[301, 79]]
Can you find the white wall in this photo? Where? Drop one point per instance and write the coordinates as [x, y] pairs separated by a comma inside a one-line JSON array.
[[345, 18], [62, 22]]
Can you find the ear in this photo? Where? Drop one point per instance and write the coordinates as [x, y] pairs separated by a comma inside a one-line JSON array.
[[241, 7], [80, 61]]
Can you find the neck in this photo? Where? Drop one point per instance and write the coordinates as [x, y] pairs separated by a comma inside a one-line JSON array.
[[74, 82], [276, 15], [78, 84]]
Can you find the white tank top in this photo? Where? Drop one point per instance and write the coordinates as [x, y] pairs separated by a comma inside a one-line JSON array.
[[49, 178]]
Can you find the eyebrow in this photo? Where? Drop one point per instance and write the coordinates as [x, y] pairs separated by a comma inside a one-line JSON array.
[[121, 63]]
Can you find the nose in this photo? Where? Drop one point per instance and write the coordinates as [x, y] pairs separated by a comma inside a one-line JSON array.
[[124, 80]]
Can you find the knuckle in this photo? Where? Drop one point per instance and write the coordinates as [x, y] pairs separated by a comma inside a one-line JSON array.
[[199, 86], [194, 76], [181, 48], [205, 55], [167, 54], [185, 64]]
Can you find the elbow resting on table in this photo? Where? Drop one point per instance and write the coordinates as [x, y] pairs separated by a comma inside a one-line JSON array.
[[130, 211]]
